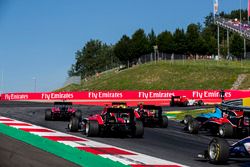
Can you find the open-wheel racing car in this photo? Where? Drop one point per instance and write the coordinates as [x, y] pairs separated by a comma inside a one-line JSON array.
[[223, 122], [183, 101], [112, 121], [62, 111], [219, 150], [119, 104], [151, 115]]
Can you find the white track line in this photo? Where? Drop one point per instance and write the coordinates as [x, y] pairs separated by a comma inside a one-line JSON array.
[[134, 158]]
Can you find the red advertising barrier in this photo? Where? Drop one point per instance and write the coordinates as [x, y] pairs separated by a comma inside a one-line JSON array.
[[159, 97]]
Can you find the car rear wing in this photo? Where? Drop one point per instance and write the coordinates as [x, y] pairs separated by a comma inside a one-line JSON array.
[[174, 97], [152, 107], [119, 103], [120, 110], [63, 103]]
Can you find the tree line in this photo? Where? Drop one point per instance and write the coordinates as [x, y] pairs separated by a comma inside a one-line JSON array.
[[97, 56]]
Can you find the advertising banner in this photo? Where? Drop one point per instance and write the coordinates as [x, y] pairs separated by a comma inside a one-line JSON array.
[[160, 97]]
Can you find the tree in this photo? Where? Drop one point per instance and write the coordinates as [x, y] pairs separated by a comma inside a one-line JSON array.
[[193, 35], [165, 42], [236, 46], [179, 37], [122, 49], [92, 58], [152, 40], [139, 44], [210, 40]]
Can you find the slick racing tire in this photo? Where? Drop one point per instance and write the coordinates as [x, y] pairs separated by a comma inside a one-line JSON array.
[[172, 104], [92, 128], [185, 104], [187, 119], [193, 126], [138, 131], [48, 114], [226, 130], [164, 122], [218, 151], [73, 124], [78, 114]]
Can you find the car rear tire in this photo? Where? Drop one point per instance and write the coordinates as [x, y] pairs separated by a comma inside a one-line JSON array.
[[48, 114], [138, 131], [172, 104], [164, 122], [193, 126], [92, 128], [218, 151], [226, 130], [185, 104], [200, 103], [73, 124], [78, 114], [187, 119]]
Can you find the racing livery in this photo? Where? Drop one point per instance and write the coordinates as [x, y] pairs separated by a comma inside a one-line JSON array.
[[219, 150], [183, 101], [63, 111], [151, 115], [224, 123], [112, 121]]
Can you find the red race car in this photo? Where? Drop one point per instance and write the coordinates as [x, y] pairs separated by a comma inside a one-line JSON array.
[[231, 123], [183, 101], [119, 105], [112, 121], [63, 111], [151, 115]]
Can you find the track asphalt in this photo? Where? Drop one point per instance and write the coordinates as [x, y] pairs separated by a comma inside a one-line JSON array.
[[14, 153], [171, 144]]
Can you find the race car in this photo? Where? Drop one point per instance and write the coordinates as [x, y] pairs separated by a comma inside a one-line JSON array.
[[219, 151], [114, 121], [119, 105], [203, 117], [62, 111], [151, 115], [225, 123], [183, 101]]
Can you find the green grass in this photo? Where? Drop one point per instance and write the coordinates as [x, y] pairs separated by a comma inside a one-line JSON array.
[[194, 113], [246, 83], [169, 75]]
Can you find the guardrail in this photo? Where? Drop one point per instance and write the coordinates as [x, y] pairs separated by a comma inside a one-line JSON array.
[[235, 104]]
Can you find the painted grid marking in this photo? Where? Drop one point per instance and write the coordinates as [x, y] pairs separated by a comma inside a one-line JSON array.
[[36, 130], [6, 119], [105, 150], [124, 156], [16, 124], [64, 138]]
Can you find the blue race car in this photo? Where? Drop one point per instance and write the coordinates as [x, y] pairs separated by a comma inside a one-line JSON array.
[[203, 117], [219, 151]]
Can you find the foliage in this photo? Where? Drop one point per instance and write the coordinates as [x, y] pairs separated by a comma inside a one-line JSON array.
[[139, 44], [165, 42], [236, 46], [96, 56]]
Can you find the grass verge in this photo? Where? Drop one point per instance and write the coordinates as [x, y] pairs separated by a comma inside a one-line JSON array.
[[169, 75], [179, 115]]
